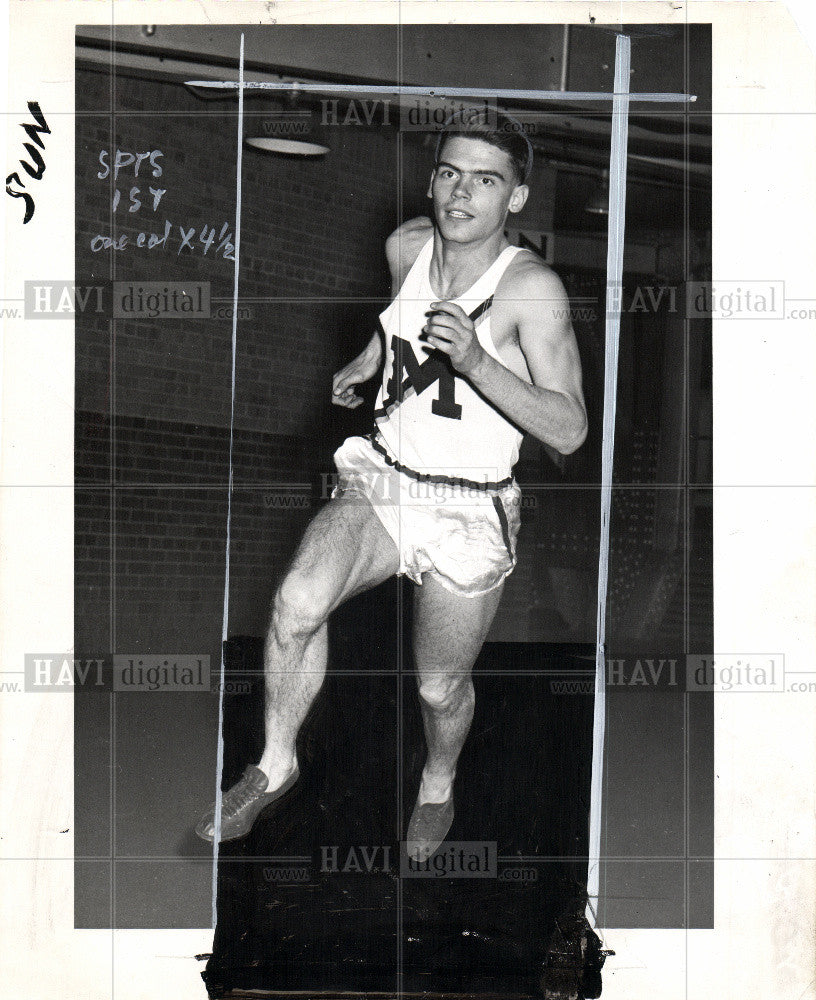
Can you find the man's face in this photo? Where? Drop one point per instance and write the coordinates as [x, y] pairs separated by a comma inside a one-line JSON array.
[[473, 188]]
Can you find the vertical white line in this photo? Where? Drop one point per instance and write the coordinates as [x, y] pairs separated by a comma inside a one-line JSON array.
[[113, 511], [565, 47], [225, 620], [614, 275]]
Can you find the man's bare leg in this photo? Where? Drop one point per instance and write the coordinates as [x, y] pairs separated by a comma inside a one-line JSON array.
[[449, 631], [344, 551]]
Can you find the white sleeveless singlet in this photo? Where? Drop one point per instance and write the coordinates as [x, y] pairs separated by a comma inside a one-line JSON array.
[[428, 416]]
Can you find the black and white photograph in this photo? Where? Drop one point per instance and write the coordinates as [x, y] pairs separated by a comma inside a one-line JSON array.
[[396, 485], [418, 283]]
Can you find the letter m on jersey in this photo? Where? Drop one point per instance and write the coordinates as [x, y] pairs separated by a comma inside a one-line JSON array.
[[418, 377]]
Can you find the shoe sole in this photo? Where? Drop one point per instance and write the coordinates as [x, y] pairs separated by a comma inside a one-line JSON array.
[[253, 812]]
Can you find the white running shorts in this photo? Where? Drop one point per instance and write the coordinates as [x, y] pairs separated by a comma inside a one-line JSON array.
[[465, 536]]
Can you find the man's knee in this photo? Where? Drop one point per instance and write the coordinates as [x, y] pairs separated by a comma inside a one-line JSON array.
[[300, 607], [446, 692]]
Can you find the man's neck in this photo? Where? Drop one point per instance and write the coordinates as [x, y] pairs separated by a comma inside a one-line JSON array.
[[457, 266]]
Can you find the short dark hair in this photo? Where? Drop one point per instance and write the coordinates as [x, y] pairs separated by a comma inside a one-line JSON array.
[[494, 127]]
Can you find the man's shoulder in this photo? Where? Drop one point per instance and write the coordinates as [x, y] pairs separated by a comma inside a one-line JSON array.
[[404, 244], [530, 291], [529, 282], [528, 274], [413, 227]]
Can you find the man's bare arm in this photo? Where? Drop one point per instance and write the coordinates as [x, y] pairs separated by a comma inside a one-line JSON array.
[[401, 249], [364, 367], [552, 407]]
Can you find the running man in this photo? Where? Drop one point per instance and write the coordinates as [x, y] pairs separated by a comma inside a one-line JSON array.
[[478, 348]]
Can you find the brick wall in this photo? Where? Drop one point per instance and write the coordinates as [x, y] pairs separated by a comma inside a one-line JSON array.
[[312, 233]]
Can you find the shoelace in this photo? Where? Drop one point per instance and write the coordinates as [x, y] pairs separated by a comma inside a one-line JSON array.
[[239, 796]]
